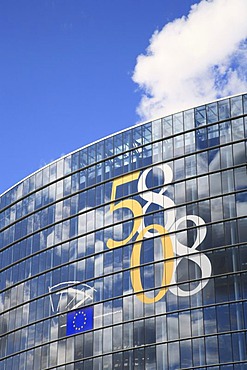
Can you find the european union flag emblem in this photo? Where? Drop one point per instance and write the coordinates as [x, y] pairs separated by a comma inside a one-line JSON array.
[[79, 321]]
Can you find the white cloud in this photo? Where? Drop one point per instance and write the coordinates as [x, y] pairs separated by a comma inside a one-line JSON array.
[[194, 59]]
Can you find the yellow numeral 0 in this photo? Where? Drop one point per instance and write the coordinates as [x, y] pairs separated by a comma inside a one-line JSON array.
[[135, 261]]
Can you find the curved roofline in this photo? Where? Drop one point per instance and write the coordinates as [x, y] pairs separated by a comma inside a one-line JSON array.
[[116, 133]]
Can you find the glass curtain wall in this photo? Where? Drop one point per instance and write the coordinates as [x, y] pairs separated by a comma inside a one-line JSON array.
[[131, 253]]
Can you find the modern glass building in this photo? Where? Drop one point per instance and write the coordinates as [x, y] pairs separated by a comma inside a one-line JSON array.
[[131, 253]]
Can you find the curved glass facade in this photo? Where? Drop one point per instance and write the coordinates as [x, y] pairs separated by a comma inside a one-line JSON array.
[[131, 253]]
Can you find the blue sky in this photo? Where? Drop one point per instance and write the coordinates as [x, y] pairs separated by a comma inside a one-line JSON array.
[[66, 76]]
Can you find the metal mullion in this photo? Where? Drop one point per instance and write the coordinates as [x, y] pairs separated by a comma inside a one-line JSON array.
[[239, 272], [130, 348], [95, 254], [140, 169], [124, 152], [126, 197], [143, 318]]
